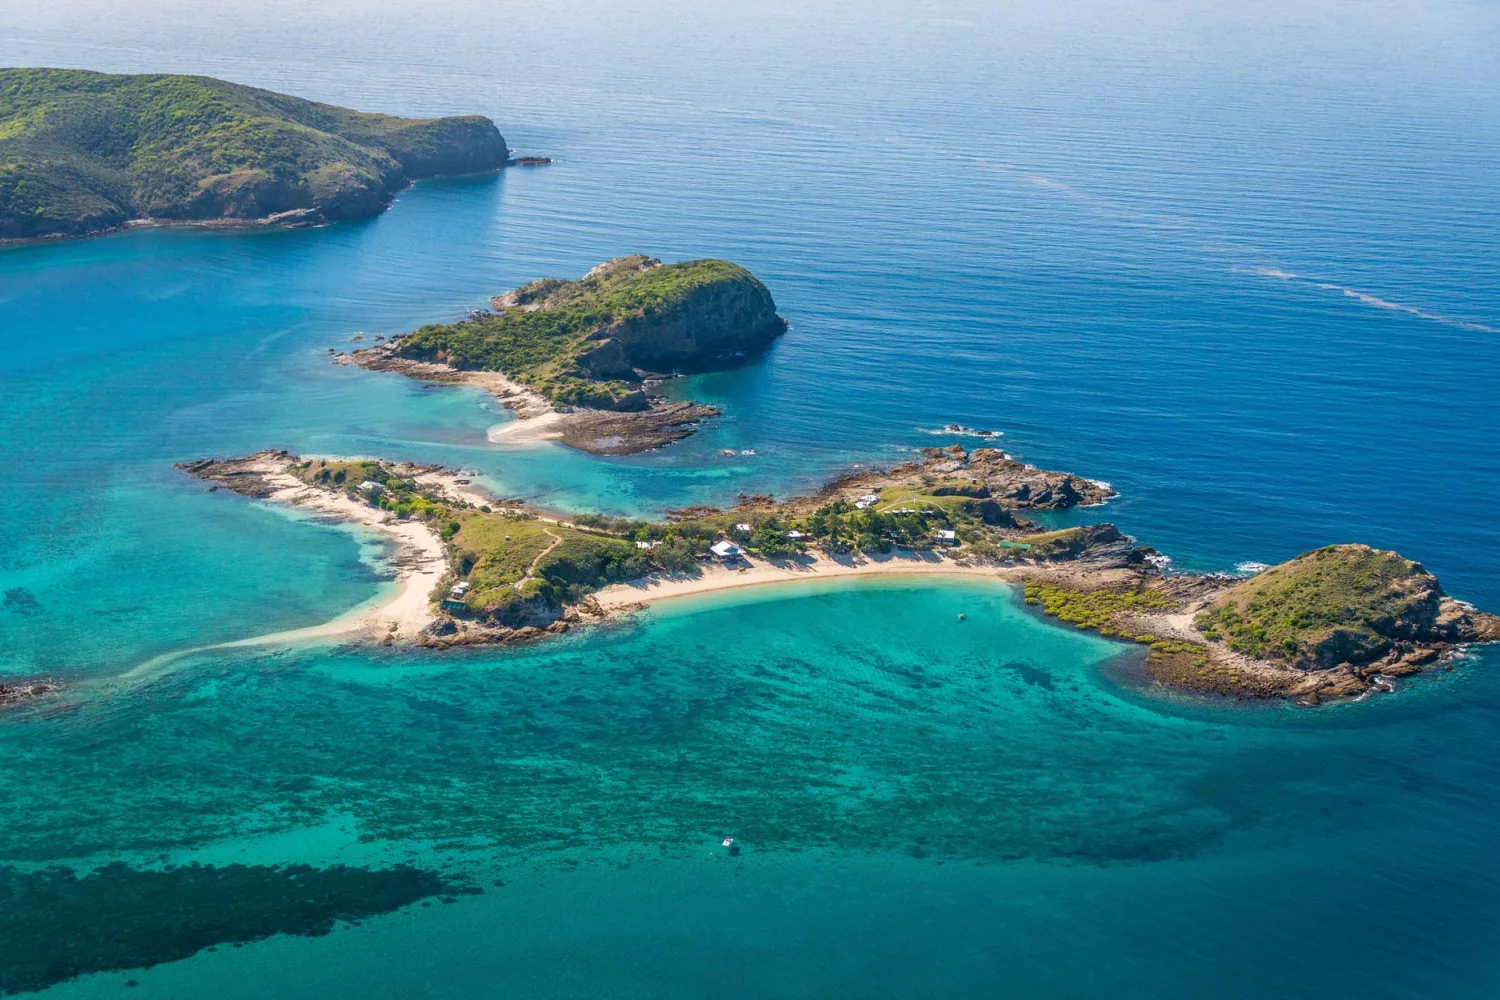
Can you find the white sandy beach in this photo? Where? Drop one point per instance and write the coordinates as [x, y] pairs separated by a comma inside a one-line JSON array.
[[527, 431], [420, 561], [660, 586]]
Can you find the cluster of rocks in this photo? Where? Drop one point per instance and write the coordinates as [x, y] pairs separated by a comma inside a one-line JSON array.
[[448, 632], [250, 476], [984, 473], [21, 692], [611, 432]]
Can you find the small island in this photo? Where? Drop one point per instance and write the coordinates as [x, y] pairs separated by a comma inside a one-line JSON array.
[[1334, 624], [576, 360], [85, 153]]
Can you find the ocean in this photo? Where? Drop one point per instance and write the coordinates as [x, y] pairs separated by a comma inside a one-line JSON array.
[[1238, 262]]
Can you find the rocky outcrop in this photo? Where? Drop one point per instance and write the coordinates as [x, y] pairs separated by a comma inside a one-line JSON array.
[[1025, 487], [592, 349], [606, 432], [997, 483], [538, 622], [16, 693], [251, 476], [711, 321]]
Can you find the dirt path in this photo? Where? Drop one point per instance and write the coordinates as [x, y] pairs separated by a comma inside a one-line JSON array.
[[531, 570]]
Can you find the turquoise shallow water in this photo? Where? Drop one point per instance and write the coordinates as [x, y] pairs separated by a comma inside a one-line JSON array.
[[1238, 263], [922, 806]]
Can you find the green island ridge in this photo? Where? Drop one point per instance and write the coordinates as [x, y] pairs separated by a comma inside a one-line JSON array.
[[83, 153], [1332, 624], [589, 350]]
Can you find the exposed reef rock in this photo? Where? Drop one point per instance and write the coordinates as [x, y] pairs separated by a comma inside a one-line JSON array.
[[986, 474], [14, 693], [601, 432]]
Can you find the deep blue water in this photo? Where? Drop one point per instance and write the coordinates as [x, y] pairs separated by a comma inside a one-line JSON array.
[[1239, 262]]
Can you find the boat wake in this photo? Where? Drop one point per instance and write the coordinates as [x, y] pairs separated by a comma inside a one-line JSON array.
[[1368, 299]]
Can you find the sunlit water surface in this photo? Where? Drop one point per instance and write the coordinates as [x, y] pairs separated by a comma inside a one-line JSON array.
[[1239, 263]]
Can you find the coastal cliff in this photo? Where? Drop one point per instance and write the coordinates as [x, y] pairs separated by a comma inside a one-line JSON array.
[[585, 353], [83, 153]]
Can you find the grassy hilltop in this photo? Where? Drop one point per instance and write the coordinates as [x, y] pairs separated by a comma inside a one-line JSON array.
[[579, 343], [1334, 604], [84, 152]]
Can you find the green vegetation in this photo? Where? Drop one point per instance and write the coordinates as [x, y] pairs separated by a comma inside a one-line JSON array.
[[1342, 602], [401, 495], [513, 561], [841, 527], [1096, 609], [1101, 611], [84, 152], [579, 342]]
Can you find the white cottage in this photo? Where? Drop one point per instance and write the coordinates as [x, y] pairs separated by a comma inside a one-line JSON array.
[[727, 551]]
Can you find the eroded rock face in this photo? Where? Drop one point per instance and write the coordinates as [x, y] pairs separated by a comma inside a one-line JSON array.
[[447, 147], [1457, 622], [722, 317]]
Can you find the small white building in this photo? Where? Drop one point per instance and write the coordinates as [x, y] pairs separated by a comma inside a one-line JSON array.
[[370, 484], [870, 498], [862, 504], [746, 528], [647, 545], [796, 536], [947, 536], [727, 551]]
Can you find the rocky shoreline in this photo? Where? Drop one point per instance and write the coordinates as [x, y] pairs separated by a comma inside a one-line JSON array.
[[1092, 577], [595, 431], [578, 361], [1159, 612]]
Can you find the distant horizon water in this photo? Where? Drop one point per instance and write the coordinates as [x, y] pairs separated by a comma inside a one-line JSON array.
[[1237, 262]]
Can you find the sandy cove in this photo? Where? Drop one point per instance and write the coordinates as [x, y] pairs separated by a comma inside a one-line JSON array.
[[420, 559], [658, 586], [535, 423]]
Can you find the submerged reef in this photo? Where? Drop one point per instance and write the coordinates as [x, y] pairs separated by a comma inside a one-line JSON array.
[[58, 924]]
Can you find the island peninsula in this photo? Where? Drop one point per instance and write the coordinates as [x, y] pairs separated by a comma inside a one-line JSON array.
[[85, 153], [577, 360], [1332, 624]]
